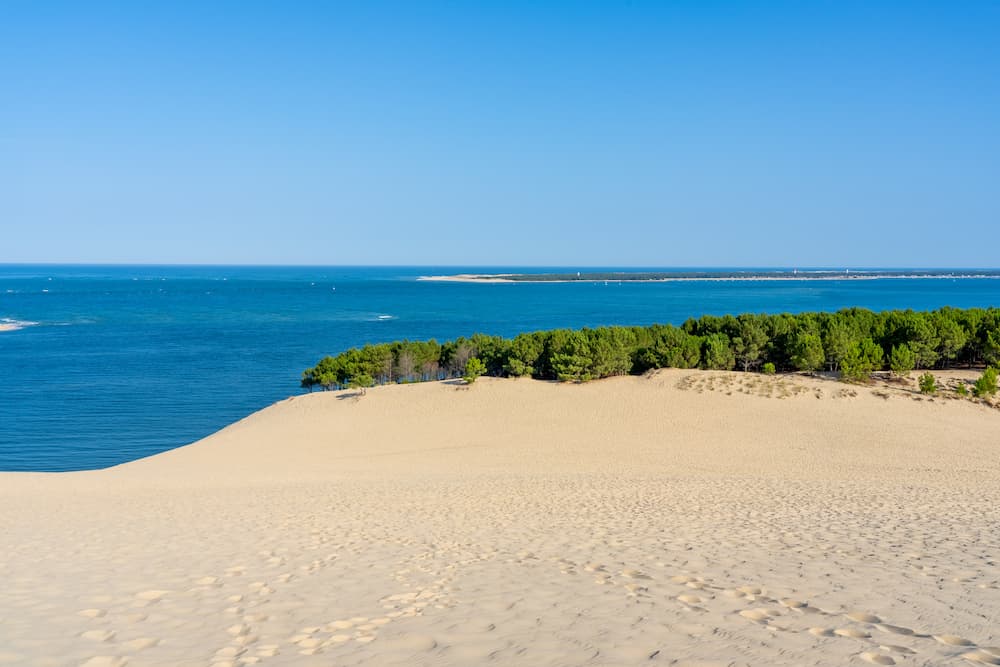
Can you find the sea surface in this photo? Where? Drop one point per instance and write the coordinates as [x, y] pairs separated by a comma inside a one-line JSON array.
[[110, 364]]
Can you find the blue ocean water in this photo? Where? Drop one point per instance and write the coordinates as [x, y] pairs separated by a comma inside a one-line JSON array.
[[118, 363]]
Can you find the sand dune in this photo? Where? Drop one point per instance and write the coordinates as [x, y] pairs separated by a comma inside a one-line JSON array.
[[685, 518]]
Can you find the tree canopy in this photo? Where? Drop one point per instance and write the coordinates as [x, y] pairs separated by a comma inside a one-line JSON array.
[[854, 341]]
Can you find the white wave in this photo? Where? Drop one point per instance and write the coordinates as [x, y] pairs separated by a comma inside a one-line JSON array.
[[8, 324], [385, 317]]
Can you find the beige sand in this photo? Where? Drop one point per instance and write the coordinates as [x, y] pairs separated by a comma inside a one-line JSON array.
[[684, 518], [473, 278]]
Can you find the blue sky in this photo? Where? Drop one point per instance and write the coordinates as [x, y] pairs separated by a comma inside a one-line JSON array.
[[617, 133]]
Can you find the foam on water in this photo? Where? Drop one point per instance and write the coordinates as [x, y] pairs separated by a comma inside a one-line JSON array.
[[8, 324]]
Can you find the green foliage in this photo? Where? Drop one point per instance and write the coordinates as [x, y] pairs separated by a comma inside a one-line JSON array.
[[522, 355], [361, 381], [863, 359], [991, 348], [716, 353], [750, 341], [928, 385], [807, 352], [571, 367], [902, 360], [837, 341], [326, 374], [573, 361], [951, 338], [986, 385], [492, 351], [769, 369], [456, 354], [961, 390], [851, 340], [668, 347], [474, 367], [917, 331], [610, 351]]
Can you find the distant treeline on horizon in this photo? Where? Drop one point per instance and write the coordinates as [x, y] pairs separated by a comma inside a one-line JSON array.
[[740, 274], [856, 342]]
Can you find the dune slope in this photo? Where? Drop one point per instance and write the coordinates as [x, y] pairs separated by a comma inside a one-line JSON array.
[[685, 518]]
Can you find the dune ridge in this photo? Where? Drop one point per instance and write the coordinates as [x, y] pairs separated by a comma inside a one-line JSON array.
[[682, 518]]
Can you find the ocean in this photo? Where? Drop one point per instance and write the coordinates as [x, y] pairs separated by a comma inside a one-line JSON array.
[[107, 364]]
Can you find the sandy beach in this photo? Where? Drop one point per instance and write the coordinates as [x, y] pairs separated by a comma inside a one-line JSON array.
[[683, 518]]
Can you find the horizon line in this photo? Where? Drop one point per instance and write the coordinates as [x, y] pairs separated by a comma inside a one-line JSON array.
[[790, 267]]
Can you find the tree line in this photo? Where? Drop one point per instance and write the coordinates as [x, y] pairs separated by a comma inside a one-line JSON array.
[[854, 342]]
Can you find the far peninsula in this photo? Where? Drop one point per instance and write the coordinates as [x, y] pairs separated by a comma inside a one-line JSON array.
[[714, 275]]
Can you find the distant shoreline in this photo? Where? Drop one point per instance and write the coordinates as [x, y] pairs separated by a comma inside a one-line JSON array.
[[650, 277]]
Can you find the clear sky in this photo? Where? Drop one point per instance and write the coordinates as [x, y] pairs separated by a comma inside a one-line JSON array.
[[559, 133]]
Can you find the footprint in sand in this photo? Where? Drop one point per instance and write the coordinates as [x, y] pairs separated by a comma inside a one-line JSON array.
[[877, 658], [635, 590], [863, 617], [983, 656], [853, 633], [141, 644], [635, 574], [238, 630], [894, 629], [151, 597], [760, 615], [792, 604], [952, 640], [104, 661], [230, 652]]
